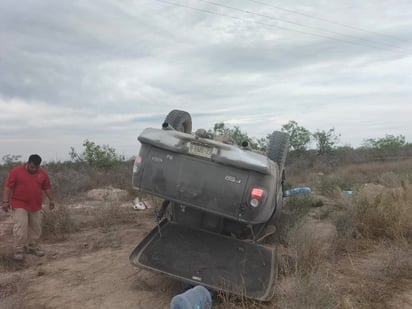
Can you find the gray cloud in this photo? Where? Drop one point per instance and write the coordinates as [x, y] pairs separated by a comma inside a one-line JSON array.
[[105, 70]]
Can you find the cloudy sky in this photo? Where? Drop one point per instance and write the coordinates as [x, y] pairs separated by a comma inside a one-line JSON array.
[[104, 70]]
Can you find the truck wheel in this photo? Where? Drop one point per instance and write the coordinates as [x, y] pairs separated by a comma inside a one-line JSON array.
[[179, 120], [278, 148]]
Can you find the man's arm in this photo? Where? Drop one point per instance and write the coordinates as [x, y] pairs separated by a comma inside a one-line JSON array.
[[5, 205], [50, 197]]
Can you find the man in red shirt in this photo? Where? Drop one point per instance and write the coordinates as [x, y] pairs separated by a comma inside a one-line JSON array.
[[23, 193]]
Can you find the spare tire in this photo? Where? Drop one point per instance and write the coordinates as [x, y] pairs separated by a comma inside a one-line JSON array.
[[179, 120], [278, 148]]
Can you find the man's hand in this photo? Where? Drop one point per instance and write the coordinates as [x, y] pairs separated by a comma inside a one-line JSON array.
[[51, 205], [5, 206]]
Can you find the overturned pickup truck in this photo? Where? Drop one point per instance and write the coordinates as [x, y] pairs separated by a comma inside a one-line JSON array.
[[219, 200]]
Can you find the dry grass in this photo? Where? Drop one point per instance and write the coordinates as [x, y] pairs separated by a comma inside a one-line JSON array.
[[365, 262], [328, 184], [104, 209], [12, 291], [376, 171], [315, 290], [110, 214], [349, 176], [309, 242], [381, 212], [8, 264], [369, 263], [70, 179], [225, 300], [58, 223], [307, 254], [373, 279], [295, 208]]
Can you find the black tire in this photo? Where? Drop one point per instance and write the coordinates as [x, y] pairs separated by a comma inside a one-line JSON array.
[[180, 121], [278, 148]]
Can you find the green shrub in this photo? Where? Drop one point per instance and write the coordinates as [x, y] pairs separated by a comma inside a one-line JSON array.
[[100, 156]]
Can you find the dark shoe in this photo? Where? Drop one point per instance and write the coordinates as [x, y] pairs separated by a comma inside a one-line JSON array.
[[35, 251]]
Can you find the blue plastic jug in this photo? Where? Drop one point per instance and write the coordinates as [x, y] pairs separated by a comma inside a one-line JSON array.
[[298, 191], [195, 298]]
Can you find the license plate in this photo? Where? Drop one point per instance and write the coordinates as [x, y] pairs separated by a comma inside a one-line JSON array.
[[200, 150]]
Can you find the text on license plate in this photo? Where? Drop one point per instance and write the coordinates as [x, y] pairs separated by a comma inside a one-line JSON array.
[[200, 150]]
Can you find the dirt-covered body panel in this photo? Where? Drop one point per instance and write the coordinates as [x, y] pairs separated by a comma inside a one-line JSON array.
[[220, 180]]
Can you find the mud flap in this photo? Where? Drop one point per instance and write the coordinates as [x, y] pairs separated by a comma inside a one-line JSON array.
[[215, 261]]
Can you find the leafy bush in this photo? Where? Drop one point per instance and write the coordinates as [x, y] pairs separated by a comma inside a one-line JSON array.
[[238, 136], [299, 137], [103, 157], [325, 140], [389, 142], [11, 160]]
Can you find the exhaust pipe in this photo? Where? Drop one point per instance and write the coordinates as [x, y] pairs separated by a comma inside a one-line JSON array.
[[166, 126], [245, 145]]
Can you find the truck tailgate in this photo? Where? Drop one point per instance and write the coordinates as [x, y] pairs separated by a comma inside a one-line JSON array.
[[215, 261]]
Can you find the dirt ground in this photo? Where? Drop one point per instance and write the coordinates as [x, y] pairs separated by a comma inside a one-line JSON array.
[[90, 269]]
